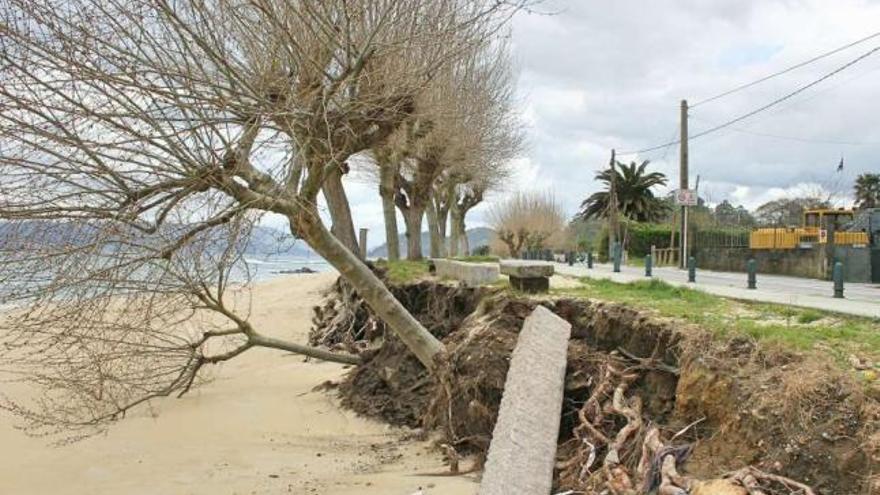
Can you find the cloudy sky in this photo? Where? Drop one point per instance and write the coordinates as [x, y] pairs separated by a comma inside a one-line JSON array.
[[601, 75]]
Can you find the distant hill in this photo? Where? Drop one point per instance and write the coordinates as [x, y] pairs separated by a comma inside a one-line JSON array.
[[479, 236], [263, 240], [268, 241]]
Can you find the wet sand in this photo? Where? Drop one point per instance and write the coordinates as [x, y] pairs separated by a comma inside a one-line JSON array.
[[257, 428]]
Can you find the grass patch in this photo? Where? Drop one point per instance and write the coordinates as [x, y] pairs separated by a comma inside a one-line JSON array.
[[809, 316], [403, 271], [792, 327], [478, 259]]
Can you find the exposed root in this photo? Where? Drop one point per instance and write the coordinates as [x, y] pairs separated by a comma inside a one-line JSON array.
[[632, 385], [344, 321], [757, 482], [612, 423]]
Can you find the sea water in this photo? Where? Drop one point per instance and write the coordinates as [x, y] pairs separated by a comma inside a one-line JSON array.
[[260, 268]]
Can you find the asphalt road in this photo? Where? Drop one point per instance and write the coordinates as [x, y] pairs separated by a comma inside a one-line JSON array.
[[859, 299]]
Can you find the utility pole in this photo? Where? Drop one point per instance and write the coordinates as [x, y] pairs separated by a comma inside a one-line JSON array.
[[690, 246], [613, 223], [683, 184]]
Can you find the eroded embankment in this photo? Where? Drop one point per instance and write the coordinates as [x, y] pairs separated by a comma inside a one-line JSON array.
[[718, 404]]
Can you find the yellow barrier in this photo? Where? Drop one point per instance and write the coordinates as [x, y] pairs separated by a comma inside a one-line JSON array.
[[791, 238], [850, 238], [774, 239]]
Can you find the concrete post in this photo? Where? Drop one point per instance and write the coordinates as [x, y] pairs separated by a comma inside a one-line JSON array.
[[649, 265], [522, 454], [362, 243], [692, 269], [837, 276], [752, 269]]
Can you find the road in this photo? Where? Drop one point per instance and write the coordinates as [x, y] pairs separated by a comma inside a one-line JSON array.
[[859, 299]]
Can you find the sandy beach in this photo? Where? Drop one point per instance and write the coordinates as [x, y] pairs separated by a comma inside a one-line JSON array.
[[257, 428]]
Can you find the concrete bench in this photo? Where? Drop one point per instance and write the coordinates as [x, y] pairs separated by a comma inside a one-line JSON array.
[[528, 275], [523, 449], [470, 274]]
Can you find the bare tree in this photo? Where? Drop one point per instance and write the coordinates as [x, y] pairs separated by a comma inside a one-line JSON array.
[[466, 130], [148, 133], [528, 220]]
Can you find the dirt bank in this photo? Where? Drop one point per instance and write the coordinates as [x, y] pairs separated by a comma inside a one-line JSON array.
[[735, 403]]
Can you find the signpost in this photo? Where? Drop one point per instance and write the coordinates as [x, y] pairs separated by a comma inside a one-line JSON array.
[[686, 197]]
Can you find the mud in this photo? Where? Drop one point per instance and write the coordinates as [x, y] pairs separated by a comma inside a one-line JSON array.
[[794, 415]]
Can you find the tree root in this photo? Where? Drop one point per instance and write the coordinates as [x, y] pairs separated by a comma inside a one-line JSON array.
[[344, 321], [756, 482], [637, 458]]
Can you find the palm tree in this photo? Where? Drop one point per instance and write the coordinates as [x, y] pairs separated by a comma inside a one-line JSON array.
[[635, 200], [867, 189]]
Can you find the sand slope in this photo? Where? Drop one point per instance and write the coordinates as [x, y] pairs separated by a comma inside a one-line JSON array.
[[258, 428]]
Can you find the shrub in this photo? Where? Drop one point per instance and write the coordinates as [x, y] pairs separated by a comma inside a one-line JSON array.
[[480, 250], [528, 221]]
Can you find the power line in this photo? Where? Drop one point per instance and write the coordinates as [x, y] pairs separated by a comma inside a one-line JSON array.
[[762, 108], [787, 70], [797, 138], [789, 95]]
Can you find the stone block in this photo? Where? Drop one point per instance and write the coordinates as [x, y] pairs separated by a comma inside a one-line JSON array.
[[527, 268], [470, 274], [523, 448]]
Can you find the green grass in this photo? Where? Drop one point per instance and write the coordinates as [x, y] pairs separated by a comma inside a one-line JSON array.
[[478, 259], [791, 327], [403, 271], [809, 316]]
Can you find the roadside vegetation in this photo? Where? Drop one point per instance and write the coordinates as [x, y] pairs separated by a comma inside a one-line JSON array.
[[479, 259], [792, 327]]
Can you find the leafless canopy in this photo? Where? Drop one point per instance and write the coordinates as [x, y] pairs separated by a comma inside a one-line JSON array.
[[528, 220], [458, 142], [140, 140]]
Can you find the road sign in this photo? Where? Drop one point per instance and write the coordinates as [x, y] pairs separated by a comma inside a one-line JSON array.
[[686, 197]]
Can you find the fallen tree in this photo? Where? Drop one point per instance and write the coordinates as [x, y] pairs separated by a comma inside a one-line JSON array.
[[135, 150]]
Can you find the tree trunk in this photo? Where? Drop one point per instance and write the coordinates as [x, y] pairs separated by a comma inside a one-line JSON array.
[[340, 213], [454, 239], [459, 244], [413, 217], [434, 231], [387, 191], [462, 234], [425, 346], [442, 199], [456, 220]]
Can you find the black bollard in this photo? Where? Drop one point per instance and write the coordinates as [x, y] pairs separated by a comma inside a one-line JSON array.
[[692, 269], [837, 276], [590, 260], [570, 256], [649, 265], [752, 269]]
